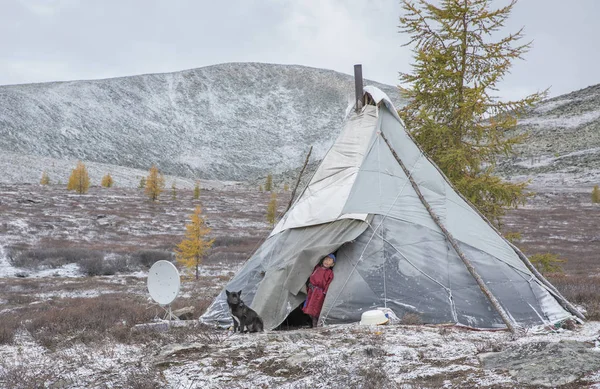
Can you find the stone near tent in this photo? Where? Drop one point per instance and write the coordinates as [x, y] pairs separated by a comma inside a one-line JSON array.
[[172, 353], [403, 237], [545, 363], [186, 313], [162, 326]]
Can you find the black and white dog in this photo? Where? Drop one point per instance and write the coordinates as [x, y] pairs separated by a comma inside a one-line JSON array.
[[244, 317]]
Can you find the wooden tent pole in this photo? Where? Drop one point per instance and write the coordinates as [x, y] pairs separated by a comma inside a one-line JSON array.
[[468, 264], [298, 180]]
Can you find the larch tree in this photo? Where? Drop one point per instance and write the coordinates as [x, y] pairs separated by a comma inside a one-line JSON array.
[[173, 191], [142, 184], [155, 183], [79, 181], [452, 111], [197, 190], [107, 181], [191, 250], [272, 209], [269, 183], [45, 180], [596, 194]]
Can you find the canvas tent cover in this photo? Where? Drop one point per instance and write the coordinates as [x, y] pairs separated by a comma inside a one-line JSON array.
[[390, 252]]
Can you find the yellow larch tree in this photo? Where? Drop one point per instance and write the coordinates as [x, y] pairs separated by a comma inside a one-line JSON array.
[[45, 178], [197, 190], [191, 250], [595, 194], [269, 183], [107, 181], [155, 183], [272, 209], [79, 181]]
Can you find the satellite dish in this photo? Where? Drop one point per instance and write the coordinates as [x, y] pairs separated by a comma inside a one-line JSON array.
[[163, 282]]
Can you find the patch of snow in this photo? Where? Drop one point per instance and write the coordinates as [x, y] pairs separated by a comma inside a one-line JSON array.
[[550, 105], [547, 160], [569, 122]]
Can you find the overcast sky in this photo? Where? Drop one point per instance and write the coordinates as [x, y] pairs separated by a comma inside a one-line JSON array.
[[50, 40]]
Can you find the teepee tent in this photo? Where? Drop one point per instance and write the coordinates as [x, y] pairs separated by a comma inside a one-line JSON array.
[[404, 239]]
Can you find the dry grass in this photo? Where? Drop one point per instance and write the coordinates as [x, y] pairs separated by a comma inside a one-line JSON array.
[[411, 319], [580, 290], [72, 320], [20, 377], [51, 258], [147, 257]]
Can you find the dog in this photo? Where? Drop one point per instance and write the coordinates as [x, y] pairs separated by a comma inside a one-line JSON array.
[[244, 317]]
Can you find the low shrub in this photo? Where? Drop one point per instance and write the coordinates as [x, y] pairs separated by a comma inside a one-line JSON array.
[[146, 258], [224, 241], [411, 319], [107, 266], [143, 379], [16, 376], [8, 327], [52, 258], [85, 319], [580, 290], [547, 263]]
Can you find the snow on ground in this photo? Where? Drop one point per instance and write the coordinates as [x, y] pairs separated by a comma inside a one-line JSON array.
[[333, 356], [559, 121], [561, 181], [547, 160], [339, 356], [24, 168]]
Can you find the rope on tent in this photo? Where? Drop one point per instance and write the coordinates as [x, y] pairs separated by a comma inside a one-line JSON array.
[[547, 324], [561, 300], [448, 290], [503, 314], [559, 297], [360, 258]]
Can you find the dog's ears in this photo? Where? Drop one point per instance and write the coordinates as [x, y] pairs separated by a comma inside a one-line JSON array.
[[227, 292], [240, 293]]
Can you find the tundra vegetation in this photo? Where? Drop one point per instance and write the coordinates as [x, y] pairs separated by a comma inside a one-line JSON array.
[[45, 180], [155, 183], [596, 195], [79, 180], [107, 181], [193, 248], [197, 190], [272, 209]]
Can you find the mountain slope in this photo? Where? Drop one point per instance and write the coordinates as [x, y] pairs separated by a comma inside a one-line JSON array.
[[564, 141], [229, 122]]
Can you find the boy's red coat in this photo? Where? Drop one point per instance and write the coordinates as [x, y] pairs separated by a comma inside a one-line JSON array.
[[320, 280]]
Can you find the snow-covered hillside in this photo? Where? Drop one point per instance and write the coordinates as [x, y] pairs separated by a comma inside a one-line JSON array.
[[228, 122], [563, 147], [240, 121]]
